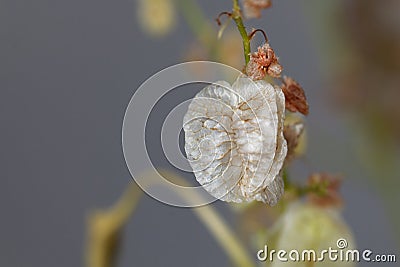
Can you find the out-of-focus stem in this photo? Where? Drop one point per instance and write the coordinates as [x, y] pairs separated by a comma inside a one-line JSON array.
[[199, 25], [224, 236], [196, 20], [105, 226], [216, 225]]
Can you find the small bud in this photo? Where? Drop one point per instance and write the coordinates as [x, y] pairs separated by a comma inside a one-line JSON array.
[[295, 98], [263, 62], [252, 8]]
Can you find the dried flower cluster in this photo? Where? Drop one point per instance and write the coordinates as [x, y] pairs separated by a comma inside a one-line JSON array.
[[252, 8], [328, 186], [234, 140], [263, 62], [295, 98]]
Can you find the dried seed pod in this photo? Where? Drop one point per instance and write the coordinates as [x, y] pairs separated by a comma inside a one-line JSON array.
[[304, 226], [263, 62], [293, 133], [252, 8], [234, 140], [294, 96]]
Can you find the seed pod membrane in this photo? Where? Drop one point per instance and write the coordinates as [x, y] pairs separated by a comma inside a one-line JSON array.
[[234, 140]]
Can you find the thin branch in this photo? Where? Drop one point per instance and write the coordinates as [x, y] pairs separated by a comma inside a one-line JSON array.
[[251, 35], [237, 17]]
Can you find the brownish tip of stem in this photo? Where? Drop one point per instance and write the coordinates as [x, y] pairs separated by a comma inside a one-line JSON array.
[[218, 19], [251, 35]]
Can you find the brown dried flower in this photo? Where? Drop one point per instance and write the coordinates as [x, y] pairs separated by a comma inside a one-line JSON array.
[[252, 8], [263, 62], [328, 186], [295, 98]]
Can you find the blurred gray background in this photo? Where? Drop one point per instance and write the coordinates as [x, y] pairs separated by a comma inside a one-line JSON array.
[[67, 72]]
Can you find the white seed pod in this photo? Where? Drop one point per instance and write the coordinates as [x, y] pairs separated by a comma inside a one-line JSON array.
[[234, 140]]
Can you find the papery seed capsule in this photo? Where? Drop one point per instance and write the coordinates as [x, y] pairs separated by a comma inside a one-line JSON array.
[[234, 140]]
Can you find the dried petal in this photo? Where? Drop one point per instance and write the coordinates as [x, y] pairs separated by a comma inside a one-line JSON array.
[[255, 71], [252, 8], [275, 70], [295, 98], [263, 62], [234, 140]]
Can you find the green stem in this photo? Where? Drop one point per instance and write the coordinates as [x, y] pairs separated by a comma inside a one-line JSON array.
[[237, 17]]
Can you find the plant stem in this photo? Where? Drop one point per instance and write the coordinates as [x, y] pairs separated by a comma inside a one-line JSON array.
[[195, 18], [237, 17], [198, 24], [105, 226]]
